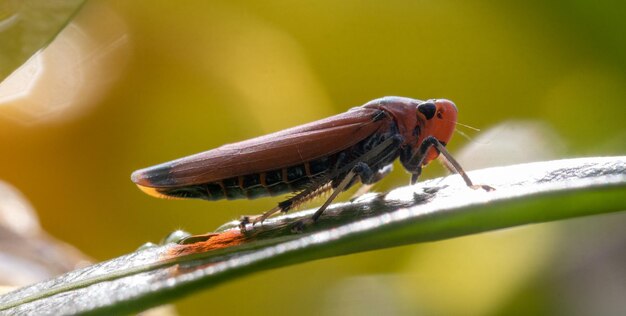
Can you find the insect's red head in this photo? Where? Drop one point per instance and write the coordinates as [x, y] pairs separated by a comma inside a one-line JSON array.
[[439, 119]]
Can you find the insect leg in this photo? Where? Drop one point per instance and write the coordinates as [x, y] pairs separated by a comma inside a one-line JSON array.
[[306, 195], [363, 170], [369, 183], [244, 220], [357, 167], [360, 169], [368, 176], [287, 205], [419, 157], [340, 188]]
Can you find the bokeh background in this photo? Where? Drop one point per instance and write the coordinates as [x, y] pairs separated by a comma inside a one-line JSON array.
[[128, 84]]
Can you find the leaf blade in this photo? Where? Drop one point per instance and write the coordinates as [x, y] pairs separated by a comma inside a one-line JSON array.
[[434, 210]]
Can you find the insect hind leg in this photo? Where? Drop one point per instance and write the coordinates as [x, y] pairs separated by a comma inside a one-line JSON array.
[[245, 220], [287, 205], [282, 207], [360, 169]]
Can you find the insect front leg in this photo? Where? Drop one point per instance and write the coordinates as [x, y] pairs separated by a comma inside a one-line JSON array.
[[413, 162], [418, 159]]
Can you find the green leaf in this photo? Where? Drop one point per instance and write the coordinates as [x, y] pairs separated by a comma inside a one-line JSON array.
[[29, 25], [432, 210]]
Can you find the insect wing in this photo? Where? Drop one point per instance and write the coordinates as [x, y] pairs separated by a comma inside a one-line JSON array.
[[270, 152]]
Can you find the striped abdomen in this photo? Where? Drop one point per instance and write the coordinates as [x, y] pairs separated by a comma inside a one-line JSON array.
[[251, 186]]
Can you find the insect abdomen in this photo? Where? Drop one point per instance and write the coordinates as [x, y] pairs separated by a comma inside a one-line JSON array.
[[270, 183]]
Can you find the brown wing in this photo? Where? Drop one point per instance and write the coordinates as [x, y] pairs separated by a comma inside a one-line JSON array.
[[270, 152]]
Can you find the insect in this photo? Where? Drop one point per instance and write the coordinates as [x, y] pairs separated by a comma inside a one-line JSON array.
[[331, 154]]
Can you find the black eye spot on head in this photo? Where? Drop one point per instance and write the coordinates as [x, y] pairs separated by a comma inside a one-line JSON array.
[[428, 109], [439, 115]]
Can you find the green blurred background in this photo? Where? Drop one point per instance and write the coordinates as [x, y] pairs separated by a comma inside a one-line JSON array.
[[160, 80]]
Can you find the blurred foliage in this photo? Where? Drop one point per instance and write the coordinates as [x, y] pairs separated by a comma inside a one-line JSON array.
[[27, 26], [201, 74]]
